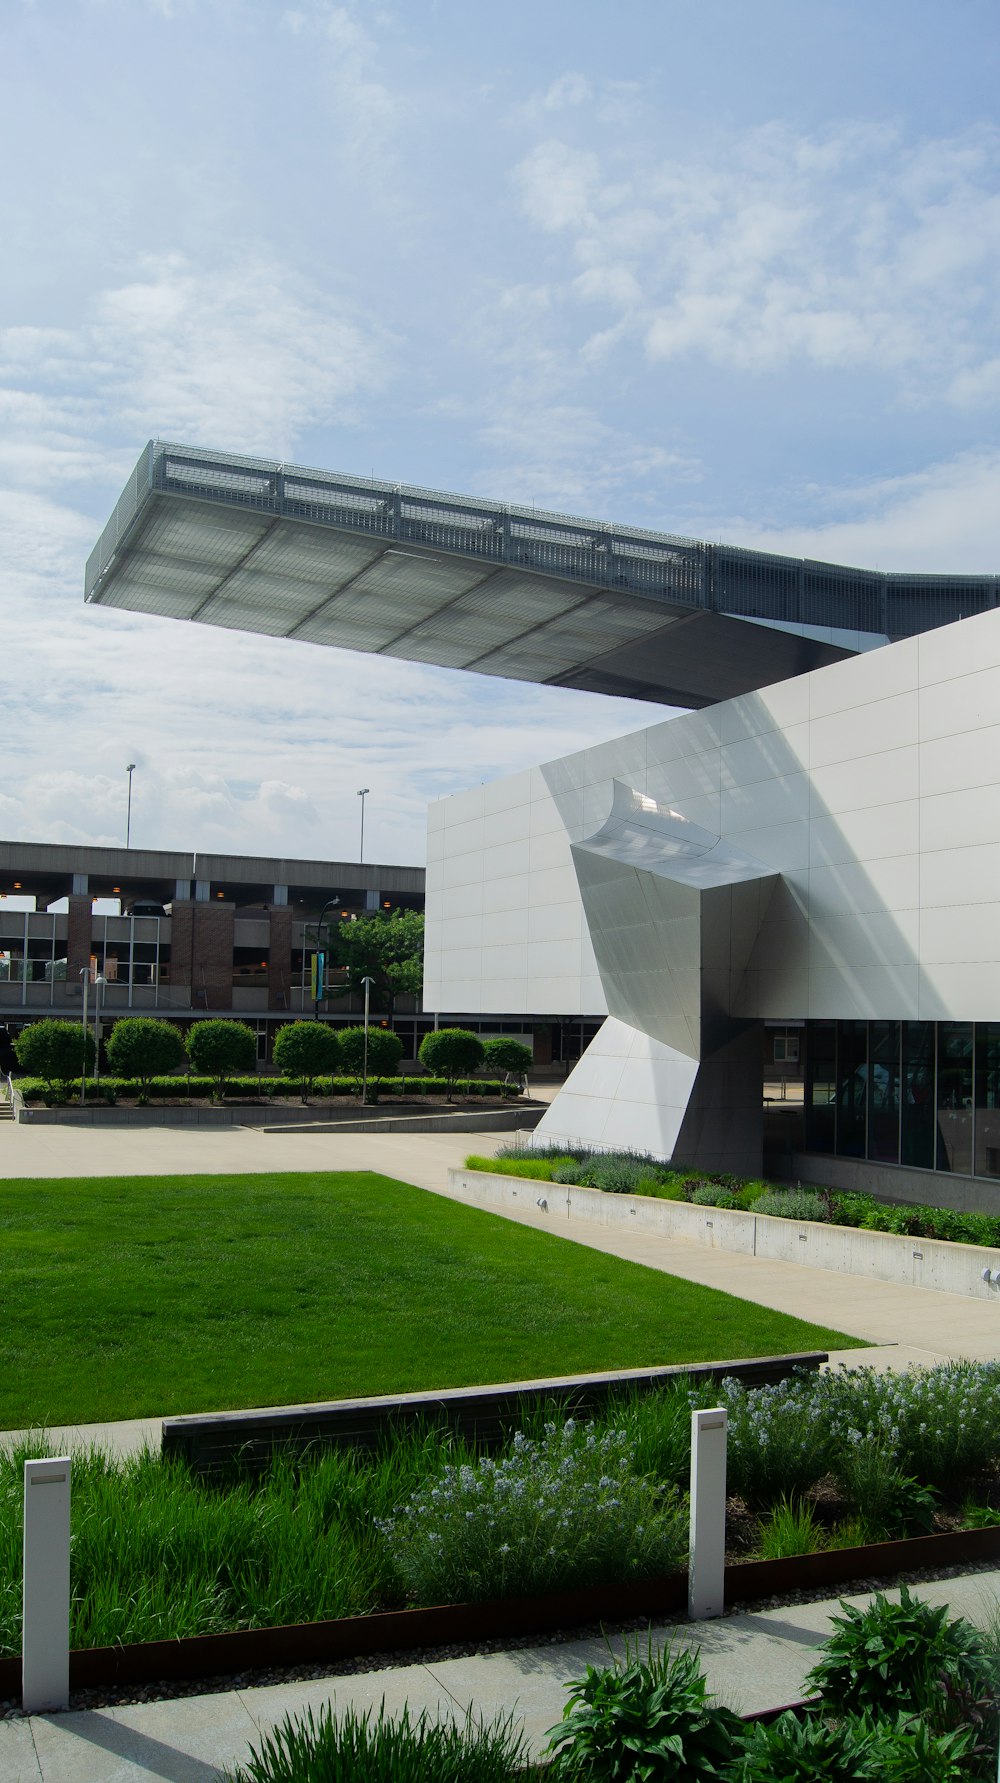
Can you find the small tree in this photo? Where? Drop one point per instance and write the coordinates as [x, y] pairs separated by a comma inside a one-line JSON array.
[[303, 1050], [221, 1049], [508, 1055], [451, 1053], [140, 1047], [388, 948], [385, 1049], [56, 1051]]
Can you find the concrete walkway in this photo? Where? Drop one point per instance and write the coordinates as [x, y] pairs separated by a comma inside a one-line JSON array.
[[753, 1660]]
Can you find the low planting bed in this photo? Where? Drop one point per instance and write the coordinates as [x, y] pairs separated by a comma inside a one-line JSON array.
[[634, 1173], [428, 1539]]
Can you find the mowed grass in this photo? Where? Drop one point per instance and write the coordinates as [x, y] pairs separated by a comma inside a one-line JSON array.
[[133, 1296]]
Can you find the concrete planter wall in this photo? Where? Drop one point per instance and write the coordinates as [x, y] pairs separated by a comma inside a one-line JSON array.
[[917, 1262]]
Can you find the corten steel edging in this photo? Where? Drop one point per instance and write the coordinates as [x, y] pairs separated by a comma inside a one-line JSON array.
[[211, 1440], [387, 1631]]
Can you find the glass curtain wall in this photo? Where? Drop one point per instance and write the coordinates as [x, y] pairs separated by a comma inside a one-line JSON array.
[[924, 1094]]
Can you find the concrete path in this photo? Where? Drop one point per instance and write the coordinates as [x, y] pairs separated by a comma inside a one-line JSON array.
[[753, 1660]]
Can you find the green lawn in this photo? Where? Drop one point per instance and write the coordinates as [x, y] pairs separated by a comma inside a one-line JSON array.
[[129, 1296]]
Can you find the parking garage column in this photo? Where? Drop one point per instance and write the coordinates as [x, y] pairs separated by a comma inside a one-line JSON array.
[[279, 958], [79, 928]]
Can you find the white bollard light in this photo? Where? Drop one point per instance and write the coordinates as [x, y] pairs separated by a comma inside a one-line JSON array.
[[45, 1623], [707, 1558]]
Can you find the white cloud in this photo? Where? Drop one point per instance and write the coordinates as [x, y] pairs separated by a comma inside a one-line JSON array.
[[852, 249], [243, 353], [943, 519]]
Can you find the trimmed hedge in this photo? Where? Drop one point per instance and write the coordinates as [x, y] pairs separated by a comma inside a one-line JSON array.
[[34, 1089]]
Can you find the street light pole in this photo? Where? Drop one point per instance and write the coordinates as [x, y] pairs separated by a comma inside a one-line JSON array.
[[367, 982], [85, 975], [130, 770], [362, 793]]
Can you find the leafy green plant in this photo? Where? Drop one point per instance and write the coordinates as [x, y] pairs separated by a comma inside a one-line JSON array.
[[707, 1194], [353, 1748], [55, 1051], [791, 1528], [220, 1049], [452, 1052], [890, 1503], [791, 1204], [899, 1656], [140, 1048], [386, 946], [640, 1720], [780, 1437], [561, 1511], [535, 1169], [303, 1049], [799, 1748]]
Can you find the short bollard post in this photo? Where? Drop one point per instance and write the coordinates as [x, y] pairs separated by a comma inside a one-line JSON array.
[[707, 1558], [45, 1623]]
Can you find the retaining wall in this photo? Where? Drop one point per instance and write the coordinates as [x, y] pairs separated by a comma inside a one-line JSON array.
[[917, 1262]]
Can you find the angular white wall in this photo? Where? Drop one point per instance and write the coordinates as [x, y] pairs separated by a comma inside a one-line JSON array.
[[871, 788]]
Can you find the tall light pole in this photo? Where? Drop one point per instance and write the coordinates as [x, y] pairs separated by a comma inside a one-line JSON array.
[[130, 770], [362, 793], [367, 982], [85, 975]]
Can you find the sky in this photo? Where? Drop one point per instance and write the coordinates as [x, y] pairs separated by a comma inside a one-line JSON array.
[[731, 271]]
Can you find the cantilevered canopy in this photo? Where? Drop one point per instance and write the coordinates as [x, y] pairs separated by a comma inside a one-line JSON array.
[[257, 546]]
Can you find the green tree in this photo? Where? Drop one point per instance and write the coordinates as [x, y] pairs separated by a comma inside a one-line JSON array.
[[54, 1050], [385, 1049], [451, 1053], [140, 1047], [387, 947], [304, 1049], [502, 1054], [221, 1049]]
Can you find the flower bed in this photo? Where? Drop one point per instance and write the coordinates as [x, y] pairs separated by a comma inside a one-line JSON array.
[[568, 1521], [187, 1088]]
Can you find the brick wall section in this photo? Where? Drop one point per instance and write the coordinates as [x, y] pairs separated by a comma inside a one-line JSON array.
[[212, 955], [279, 965], [181, 939], [78, 946]]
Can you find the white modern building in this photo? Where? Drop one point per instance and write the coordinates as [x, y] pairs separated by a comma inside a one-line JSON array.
[[816, 847]]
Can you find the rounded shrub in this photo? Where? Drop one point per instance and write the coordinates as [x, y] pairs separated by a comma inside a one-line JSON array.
[[140, 1047], [221, 1049], [385, 1049], [451, 1053], [56, 1051], [305, 1049]]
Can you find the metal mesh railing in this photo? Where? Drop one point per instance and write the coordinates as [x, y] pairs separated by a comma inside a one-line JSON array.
[[624, 560]]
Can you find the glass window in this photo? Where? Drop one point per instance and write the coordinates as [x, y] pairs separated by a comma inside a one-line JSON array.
[[852, 1088], [883, 1092], [954, 1097], [821, 1086], [987, 1161], [918, 1112]]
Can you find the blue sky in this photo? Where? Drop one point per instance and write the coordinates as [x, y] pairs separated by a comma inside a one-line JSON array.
[[723, 269]]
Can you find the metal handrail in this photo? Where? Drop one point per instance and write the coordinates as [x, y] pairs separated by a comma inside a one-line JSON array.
[[601, 554]]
